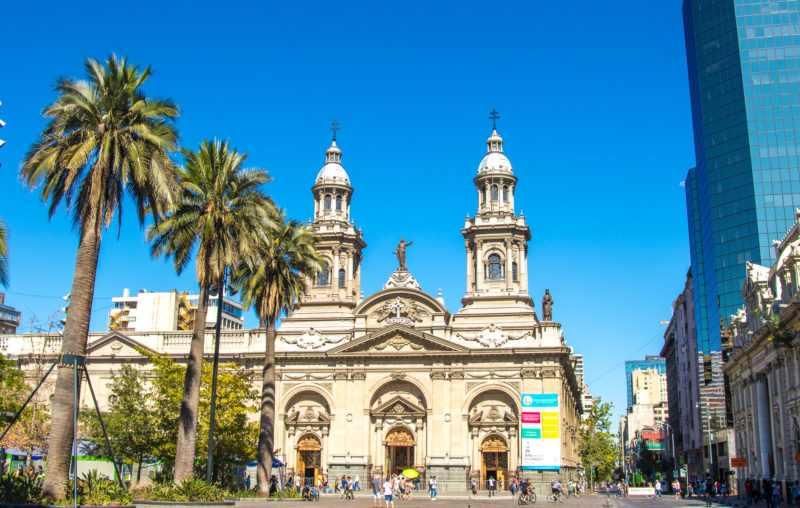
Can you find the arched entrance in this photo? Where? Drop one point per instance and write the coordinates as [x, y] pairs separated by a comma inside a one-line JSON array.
[[494, 460], [309, 457], [399, 450]]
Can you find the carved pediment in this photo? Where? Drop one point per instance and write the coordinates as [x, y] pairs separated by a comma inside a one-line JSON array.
[[307, 416], [115, 344], [399, 407], [398, 338], [313, 339]]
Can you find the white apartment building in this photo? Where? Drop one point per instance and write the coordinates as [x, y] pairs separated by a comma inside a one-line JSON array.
[[169, 311]]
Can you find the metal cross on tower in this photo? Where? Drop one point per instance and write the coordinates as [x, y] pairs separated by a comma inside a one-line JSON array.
[[493, 116], [335, 127]]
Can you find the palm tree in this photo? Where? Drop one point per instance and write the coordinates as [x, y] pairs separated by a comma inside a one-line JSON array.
[[3, 253], [272, 281], [105, 138], [220, 206]]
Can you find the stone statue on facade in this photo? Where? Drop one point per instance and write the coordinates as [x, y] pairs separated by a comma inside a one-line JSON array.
[[401, 253], [547, 306]]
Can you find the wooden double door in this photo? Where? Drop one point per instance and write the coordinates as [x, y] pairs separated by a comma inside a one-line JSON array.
[[494, 461], [309, 458], [399, 450]]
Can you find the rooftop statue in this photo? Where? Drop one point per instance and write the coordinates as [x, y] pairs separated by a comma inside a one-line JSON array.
[[401, 253]]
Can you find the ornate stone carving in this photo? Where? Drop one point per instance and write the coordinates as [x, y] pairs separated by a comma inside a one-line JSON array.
[[437, 374], [456, 374], [400, 311], [492, 336], [547, 306], [530, 373], [359, 375], [313, 339], [398, 342], [402, 279], [340, 375], [398, 375]]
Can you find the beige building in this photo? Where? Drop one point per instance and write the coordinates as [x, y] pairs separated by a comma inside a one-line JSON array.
[[373, 385], [763, 368], [149, 311]]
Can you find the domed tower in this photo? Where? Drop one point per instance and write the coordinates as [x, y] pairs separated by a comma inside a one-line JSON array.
[[496, 239], [340, 243]]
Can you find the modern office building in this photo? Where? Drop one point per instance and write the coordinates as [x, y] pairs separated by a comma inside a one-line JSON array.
[[169, 311], [9, 317], [653, 362], [744, 77]]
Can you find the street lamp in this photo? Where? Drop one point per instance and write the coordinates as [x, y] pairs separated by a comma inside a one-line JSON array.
[[672, 440]]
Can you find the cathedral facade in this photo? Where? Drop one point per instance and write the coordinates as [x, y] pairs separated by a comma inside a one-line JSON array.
[[377, 384]]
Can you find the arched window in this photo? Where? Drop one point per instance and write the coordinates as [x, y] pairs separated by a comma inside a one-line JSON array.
[[514, 271], [322, 275], [494, 193], [505, 193], [327, 201], [484, 195], [495, 267], [341, 277], [338, 202]]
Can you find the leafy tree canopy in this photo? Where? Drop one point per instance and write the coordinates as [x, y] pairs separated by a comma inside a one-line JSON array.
[[598, 446]]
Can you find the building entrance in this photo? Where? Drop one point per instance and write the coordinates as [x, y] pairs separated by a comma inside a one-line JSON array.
[[309, 458], [494, 461], [399, 450]]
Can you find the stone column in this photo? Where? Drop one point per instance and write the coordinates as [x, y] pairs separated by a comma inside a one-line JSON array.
[[325, 451], [470, 266], [523, 269], [419, 446], [291, 453], [335, 274], [509, 281], [478, 266], [349, 261], [513, 450], [764, 430], [378, 459]]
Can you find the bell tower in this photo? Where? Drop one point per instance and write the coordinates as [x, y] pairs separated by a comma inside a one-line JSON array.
[[496, 239], [340, 243]]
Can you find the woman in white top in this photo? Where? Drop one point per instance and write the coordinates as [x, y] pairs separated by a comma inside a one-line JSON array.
[[387, 493]]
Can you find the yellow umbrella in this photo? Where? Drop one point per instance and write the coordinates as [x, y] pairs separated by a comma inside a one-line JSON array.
[[410, 473]]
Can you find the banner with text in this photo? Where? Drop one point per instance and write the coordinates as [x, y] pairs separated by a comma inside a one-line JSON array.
[[541, 443]]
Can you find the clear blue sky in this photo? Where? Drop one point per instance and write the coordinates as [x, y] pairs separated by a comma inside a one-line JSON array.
[[595, 116]]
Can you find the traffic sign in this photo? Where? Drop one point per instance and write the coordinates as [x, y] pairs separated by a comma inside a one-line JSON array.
[[740, 462]]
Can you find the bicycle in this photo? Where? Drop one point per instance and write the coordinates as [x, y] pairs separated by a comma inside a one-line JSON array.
[[312, 495], [556, 497], [529, 498]]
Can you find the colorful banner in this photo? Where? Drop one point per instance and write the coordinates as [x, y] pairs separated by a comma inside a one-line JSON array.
[[541, 443]]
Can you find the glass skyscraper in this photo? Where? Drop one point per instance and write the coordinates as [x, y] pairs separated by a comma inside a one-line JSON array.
[[744, 78], [649, 362]]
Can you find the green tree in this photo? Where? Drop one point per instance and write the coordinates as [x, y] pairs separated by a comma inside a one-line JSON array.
[[220, 209], [645, 460], [130, 420], [271, 281], [3, 253], [104, 139], [148, 405], [598, 446]]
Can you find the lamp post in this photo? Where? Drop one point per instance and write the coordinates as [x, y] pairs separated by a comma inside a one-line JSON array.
[[672, 441]]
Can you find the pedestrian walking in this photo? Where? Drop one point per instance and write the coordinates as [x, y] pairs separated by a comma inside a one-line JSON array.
[[356, 485], [474, 488], [432, 487], [387, 493], [490, 483], [376, 492], [796, 494]]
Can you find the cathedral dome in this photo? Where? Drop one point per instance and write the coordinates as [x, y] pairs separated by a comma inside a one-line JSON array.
[[495, 161], [332, 171]]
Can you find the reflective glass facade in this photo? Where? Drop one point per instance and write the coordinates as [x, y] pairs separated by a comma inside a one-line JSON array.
[[744, 76], [649, 362]]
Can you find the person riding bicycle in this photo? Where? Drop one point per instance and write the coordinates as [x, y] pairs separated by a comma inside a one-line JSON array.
[[306, 491], [523, 487], [555, 486]]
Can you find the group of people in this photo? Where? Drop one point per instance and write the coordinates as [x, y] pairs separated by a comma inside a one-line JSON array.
[[770, 492], [31, 473], [397, 486]]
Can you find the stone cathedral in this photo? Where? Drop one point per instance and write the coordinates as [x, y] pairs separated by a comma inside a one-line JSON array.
[[377, 384]]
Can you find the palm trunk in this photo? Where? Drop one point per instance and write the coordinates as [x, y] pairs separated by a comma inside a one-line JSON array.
[[266, 435], [190, 403], [74, 341]]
